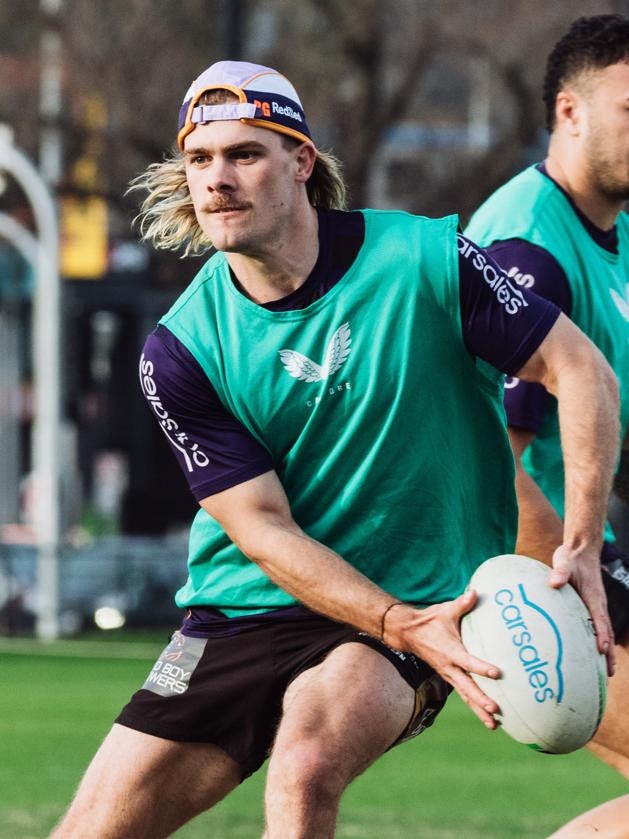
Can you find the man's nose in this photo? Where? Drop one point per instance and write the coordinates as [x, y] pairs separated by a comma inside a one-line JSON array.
[[220, 176]]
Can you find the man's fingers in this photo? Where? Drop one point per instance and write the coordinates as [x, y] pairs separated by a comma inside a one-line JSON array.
[[560, 574], [558, 578], [563, 566], [480, 667], [482, 705], [469, 663], [590, 592], [464, 603], [453, 662], [605, 640], [611, 660], [459, 677]]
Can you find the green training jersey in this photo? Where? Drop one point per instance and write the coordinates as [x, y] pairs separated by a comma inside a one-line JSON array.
[[533, 208], [388, 436]]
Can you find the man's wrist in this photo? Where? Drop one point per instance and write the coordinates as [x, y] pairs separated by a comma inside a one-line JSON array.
[[384, 616], [584, 547], [394, 620]]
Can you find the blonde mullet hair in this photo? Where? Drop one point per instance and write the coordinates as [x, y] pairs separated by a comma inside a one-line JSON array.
[[167, 219]]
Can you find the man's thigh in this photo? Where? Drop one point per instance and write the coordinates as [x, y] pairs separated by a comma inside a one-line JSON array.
[[144, 787], [609, 821], [354, 706], [228, 690]]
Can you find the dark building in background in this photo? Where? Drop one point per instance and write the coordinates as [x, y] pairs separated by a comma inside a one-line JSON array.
[[130, 479]]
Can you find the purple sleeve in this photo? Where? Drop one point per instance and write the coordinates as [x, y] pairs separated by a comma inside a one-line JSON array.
[[533, 267], [526, 403], [214, 450], [502, 323]]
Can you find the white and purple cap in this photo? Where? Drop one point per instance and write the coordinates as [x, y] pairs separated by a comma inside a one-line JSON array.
[[266, 99]]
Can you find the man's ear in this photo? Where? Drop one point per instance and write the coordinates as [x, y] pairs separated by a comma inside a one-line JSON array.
[[568, 107], [305, 157]]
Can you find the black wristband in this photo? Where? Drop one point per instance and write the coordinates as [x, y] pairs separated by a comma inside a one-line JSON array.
[[385, 613]]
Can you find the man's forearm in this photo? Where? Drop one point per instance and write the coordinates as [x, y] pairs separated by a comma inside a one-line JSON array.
[[257, 518], [317, 576], [571, 368], [588, 404], [576, 373], [540, 529]]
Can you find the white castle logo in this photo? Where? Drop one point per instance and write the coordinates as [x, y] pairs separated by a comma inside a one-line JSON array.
[[306, 370]]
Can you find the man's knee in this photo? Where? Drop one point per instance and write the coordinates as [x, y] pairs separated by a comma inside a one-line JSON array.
[[307, 766]]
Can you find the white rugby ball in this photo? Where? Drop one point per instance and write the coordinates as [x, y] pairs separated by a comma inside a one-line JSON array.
[[553, 686]]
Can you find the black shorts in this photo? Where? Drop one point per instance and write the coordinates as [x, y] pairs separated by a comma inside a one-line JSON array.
[[228, 691], [615, 567]]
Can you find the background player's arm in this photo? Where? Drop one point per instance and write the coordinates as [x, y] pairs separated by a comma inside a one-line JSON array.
[[540, 529], [571, 368], [256, 516]]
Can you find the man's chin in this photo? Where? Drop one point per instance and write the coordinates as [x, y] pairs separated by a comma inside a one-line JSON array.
[[228, 242], [617, 190]]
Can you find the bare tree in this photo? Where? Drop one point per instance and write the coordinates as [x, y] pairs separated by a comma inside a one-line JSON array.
[[370, 66], [387, 84]]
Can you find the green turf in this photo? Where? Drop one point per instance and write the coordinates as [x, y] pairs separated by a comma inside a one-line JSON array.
[[456, 781]]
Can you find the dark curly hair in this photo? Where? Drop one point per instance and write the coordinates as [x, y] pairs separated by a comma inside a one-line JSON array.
[[591, 43]]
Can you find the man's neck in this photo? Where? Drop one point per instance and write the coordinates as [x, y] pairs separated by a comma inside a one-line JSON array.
[[573, 178], [283, 266]]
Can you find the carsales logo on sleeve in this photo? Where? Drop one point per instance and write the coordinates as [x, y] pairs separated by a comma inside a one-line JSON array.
[[507, 294], [190, 451]]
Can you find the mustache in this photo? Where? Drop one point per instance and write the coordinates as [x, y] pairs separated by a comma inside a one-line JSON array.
[[224, 204]]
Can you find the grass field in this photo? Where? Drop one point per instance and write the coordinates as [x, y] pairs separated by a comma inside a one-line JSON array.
[[456, 781]]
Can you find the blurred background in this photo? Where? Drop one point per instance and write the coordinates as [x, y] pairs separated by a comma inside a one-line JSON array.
[[431, 104]]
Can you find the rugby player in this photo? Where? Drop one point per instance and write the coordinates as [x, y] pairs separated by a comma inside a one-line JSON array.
[[559, 228], [330, 383]]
